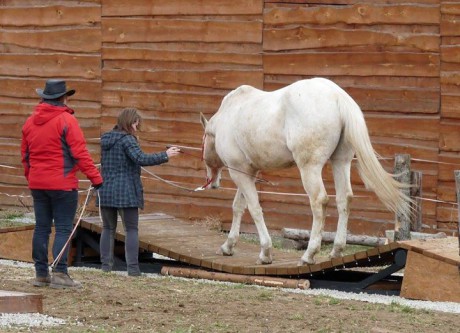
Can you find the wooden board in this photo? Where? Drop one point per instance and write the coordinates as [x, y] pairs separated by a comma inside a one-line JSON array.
[[442, 249], [432, 270], [430, 279], [19, 302], [181, 7], [16, 244], [197, 245]]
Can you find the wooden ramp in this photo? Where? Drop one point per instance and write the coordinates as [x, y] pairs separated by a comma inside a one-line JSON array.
[[196, 245], [432, 270]]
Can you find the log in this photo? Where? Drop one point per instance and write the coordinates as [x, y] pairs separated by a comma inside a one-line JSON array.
[[390, 235], [266, 281], [299, 234]]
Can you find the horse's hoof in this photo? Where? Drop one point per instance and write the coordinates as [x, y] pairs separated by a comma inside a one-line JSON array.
[[303, 262], [263, 262], [334, 254], [221, 252]]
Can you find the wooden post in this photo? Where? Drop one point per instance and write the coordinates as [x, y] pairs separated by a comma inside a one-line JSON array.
[[416, 194], [402, 174], [457, 186]]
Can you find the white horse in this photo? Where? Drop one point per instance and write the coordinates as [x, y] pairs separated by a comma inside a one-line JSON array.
[[306, 123]]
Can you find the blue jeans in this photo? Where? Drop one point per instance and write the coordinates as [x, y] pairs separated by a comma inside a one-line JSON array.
[[49, 206], [130, 220]]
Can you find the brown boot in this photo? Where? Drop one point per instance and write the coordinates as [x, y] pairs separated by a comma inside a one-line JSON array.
[[61, 280], [41, 281]]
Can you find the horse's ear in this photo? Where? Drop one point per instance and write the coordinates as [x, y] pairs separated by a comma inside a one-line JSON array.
[[203, 120]]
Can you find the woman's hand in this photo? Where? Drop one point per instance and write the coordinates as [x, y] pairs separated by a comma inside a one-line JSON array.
[[173, 151]]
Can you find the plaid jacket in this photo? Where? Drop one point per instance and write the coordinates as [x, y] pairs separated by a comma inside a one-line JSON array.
[[121, 161]]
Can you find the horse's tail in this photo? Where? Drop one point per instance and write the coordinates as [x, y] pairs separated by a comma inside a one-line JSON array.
[[374, 176]]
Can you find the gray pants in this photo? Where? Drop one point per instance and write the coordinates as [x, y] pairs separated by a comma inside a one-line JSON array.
[[130, 219]]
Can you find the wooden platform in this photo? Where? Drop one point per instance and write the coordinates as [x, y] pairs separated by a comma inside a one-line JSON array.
[[197, 245], [16, 243], [10, 238], [19, 302], [432, 270]]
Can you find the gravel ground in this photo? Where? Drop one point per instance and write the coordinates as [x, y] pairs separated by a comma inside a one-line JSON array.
[[40, 320]]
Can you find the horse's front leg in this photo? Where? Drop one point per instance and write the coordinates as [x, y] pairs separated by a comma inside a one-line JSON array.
[[247, 186], [239, 206]]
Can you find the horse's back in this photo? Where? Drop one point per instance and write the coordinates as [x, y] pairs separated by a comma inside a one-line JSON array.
[[271, 128]]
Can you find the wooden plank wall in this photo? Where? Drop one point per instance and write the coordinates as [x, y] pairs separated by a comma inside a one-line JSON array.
[[41, 40], [449, 140], [175, 59], [385, 54]]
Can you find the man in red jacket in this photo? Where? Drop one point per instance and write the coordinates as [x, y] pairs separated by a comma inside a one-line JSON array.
[[53, 149]]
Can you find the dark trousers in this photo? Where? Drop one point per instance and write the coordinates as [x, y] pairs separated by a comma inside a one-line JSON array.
[[58, 207], [130, 219]]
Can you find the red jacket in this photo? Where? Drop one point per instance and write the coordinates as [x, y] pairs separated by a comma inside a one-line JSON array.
[[53, 149]]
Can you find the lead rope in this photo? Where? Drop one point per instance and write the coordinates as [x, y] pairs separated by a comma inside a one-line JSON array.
[[58, 258]]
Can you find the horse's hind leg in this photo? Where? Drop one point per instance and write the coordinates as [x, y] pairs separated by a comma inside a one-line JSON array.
[[344, 194], [239, 206], [313, 184]]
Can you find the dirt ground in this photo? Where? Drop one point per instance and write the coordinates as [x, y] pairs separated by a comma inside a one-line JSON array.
[[110, 302]]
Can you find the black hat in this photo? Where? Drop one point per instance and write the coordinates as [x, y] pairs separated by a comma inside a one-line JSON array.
[[54, 89]]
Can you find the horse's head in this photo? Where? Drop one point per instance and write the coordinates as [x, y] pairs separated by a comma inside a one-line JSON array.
[[212, 160]]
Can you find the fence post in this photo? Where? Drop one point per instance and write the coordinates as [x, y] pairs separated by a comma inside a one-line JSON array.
[[402, 174], [416, 194], [457, 187]]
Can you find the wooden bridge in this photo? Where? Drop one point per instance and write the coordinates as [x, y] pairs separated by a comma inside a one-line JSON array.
[[196, 245], [431, 267]]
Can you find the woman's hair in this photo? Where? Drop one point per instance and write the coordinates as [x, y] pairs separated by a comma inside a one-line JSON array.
[[127, 118]]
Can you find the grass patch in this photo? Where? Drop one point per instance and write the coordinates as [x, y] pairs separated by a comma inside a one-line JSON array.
[[266, 295], [12, 218], [326, 248], [327, 300], [399, 308]]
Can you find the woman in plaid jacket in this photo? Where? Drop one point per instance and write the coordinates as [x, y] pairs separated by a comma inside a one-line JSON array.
[[122, 192]]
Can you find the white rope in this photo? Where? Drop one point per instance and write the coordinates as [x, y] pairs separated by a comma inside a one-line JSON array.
[[175, 184], [276, 193]]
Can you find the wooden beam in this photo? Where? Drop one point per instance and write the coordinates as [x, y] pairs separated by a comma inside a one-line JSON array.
[[457, 185], [402, 172]]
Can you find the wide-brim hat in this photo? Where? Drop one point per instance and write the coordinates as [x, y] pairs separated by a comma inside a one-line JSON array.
[[54, 89]]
